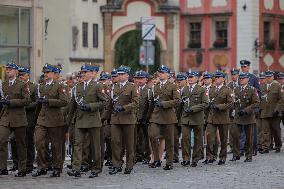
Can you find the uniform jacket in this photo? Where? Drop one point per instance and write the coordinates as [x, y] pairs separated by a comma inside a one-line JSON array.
[[144, 103], [197, 101], [246, 100], [18, 94], [170, 99], [270, 99], [222, 99], [50, 114], [30, 109], [126, 97], [92, 95]]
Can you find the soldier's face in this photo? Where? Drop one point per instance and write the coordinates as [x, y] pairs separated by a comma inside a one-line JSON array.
[[11, 72], [115, 79], [245, 69], [192, 80], [262, 81], [24, 77], [182, 83], [163, 76], [207, 81], [141, 81], [244, 81], [281, 81], [219, 80], [235, 77], [86, 76], [123, 77], [56, 76], [48, 76], [269, 79]]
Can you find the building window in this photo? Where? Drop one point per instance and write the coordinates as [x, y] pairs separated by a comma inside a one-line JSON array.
[[281, 36], [85, 34], [268, 42], [15, 32], [194, 35], [221, 32], [95, 35]]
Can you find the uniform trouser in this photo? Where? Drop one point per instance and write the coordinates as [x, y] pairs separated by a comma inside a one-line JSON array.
[[211, 140], [231, 134], [95, 145], [186, 139], [259, 133], [72, 139], [30, 147], [177, 132], [13, 144], [56, 136], [107, 140], [248, 130], [242, 140], [86, 150], [155, 131], [142, 149], [271, 126], [20, 137], [254, 138], [119, 132]]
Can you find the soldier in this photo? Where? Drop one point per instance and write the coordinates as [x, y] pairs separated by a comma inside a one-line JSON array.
[[24, 75], [253, 80], [50, 123], [87, 100], [164, 98], [233, 84], [194, 101], [141, 130], [281, 81], [270, 113], [220, 100], [246, 101], [14, 97], [124, 100]]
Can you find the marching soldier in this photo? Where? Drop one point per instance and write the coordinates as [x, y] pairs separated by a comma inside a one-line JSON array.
[[124, 100], [194, 101], [141, 130], [50, 123], [14, 97], [165, 98], [270, 113], [220, 101], [246, 101], [87, 100], [24, 76]]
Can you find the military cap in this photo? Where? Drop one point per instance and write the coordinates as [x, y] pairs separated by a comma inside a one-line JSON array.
[[281, 75], [243, 75], [114, 73], [262, 75], [219, 74], [141, 74], [12, 65], [245, 63], [105, 76], [192, 73], [123, 69], [164, 69], [235, 71], [24, 70], [207, 75], [58, 68], [269, 73], [181, 76], [48, 68], [88, 67]]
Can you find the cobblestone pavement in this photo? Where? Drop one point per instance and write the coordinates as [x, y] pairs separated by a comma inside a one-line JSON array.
[[266, 171]]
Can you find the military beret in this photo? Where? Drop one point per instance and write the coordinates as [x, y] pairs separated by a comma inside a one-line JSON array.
[[88, 67], [243, 75], [235, 71], [123, 69], [164, 69], [192, 73], [105, 76], [12, 65], [181, 76], [281, 75], [114, 73], [207, 75], [48, 68], [269, 73], [219, 74], [245, 63], [24, 70], [58, 68], [141, 74]]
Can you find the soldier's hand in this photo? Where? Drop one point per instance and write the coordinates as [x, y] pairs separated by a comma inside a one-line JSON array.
[[214, 107], [188, 110], [85, 107], [42, 100], [275, 114], [119, 109], [242, 113], [5, 102], [158, 104]]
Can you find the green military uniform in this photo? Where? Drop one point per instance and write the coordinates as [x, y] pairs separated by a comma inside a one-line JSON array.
[[270, 114], [123, 123], [221, 100], [87, 122], [246, 101], [193, 105], [13, 119], [164, 118], [50, 124]]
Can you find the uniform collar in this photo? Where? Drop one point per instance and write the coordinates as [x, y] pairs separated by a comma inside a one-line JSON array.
[[12, 81], [49, 82], [123, 83]]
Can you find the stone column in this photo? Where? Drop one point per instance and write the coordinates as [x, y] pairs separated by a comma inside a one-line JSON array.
[[108, 52], [170, 41]]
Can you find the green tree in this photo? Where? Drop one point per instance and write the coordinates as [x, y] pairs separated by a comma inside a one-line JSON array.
[[127, 50]]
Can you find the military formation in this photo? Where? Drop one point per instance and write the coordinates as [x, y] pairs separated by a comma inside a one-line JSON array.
[[118, 120]]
